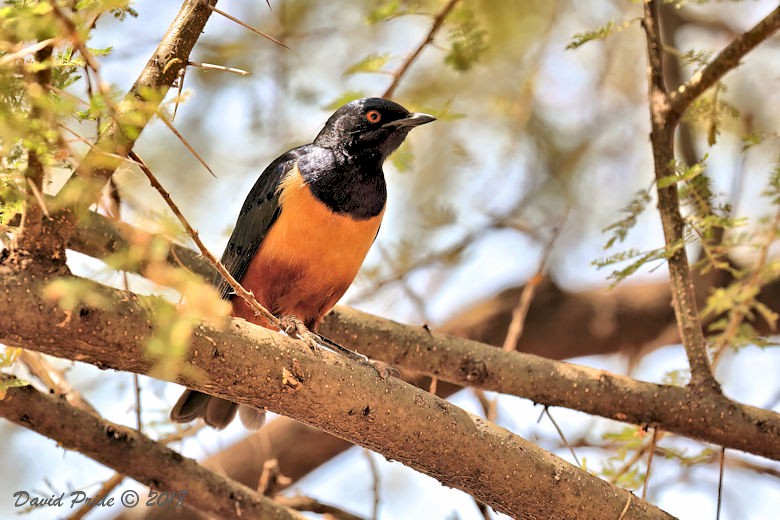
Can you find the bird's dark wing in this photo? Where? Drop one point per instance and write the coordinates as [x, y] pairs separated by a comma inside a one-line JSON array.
[[259, 212]]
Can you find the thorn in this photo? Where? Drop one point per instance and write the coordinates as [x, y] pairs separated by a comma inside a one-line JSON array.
[[242, 24]]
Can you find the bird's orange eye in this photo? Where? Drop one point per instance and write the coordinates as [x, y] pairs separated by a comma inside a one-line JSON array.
[[373, 116]]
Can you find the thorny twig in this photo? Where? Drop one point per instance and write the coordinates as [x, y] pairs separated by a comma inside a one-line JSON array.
[[181, 138], [237, 287], [246, 26], [211, 66], [438, 20]]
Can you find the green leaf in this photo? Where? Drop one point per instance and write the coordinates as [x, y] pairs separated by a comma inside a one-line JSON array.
[[372, 63], [468, 40], [682, 173], [621, 228]]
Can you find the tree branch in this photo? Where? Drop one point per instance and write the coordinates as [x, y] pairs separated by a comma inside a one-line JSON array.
[[727, 60], [679, 410], [663, 122], [136, 455], [715, 419], [255, 366], [438, 20], [136, 110]]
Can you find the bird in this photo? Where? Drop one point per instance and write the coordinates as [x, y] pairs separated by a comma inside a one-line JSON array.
[[305, 229]]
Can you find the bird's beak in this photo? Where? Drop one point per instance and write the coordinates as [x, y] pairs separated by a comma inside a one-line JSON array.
[[410, 121]]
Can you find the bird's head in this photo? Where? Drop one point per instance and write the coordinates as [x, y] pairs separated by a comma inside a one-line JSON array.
[[369, 127]]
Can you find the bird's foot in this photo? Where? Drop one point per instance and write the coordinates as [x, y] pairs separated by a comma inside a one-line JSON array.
[[295, 328], [384, 370]]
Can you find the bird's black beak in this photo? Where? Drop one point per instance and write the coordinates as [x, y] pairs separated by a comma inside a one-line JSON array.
[[410, 121]]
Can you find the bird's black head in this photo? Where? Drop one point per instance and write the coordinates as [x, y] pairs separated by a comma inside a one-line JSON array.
[[369, 127]]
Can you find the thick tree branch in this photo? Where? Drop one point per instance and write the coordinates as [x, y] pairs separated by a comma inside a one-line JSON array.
[[713, 419], [727, 60], [136, 455], [136, 110], [663, 124], [252, 365]]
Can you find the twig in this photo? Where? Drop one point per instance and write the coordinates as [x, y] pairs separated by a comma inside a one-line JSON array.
[[434, 386], [246, 26], [563, 437], [751, 286], [239, 290], [180, 80], [727, 60], [663, 122], [498, 222], [210, 66], [181, 138], [720, 481], [107, 487], [137, 387], [301, 503], [26, 51], [55, 380], [627, 465], [489, 406], [38, 196], [650, 456], [625, 509], [372, 466], [515, 329], [272, 479], [435, 26]]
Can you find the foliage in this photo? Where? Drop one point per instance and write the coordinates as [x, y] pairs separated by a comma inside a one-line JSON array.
[[468, 40], [602, 33]]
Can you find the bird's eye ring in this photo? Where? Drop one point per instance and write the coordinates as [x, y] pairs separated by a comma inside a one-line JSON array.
[[373, 116]]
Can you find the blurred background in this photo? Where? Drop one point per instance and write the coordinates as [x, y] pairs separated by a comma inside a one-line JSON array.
[[538, 148]]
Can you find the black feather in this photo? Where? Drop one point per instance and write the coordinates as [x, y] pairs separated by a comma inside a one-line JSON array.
[[259, 212]]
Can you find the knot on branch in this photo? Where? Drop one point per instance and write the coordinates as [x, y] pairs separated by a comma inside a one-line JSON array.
[[473, 371]]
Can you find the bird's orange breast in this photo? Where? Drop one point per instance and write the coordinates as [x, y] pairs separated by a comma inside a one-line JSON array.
[[308, 258]]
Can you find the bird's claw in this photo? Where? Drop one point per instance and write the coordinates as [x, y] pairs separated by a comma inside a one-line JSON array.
[[295, 328], [383, 369]]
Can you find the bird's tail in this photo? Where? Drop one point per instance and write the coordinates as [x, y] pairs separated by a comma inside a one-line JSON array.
[[216, 412]]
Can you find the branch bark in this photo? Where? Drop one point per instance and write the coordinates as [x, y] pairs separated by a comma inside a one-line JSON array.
[[136, 455], [252, 365], [713, 418], [663, 123], [725, 61]]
